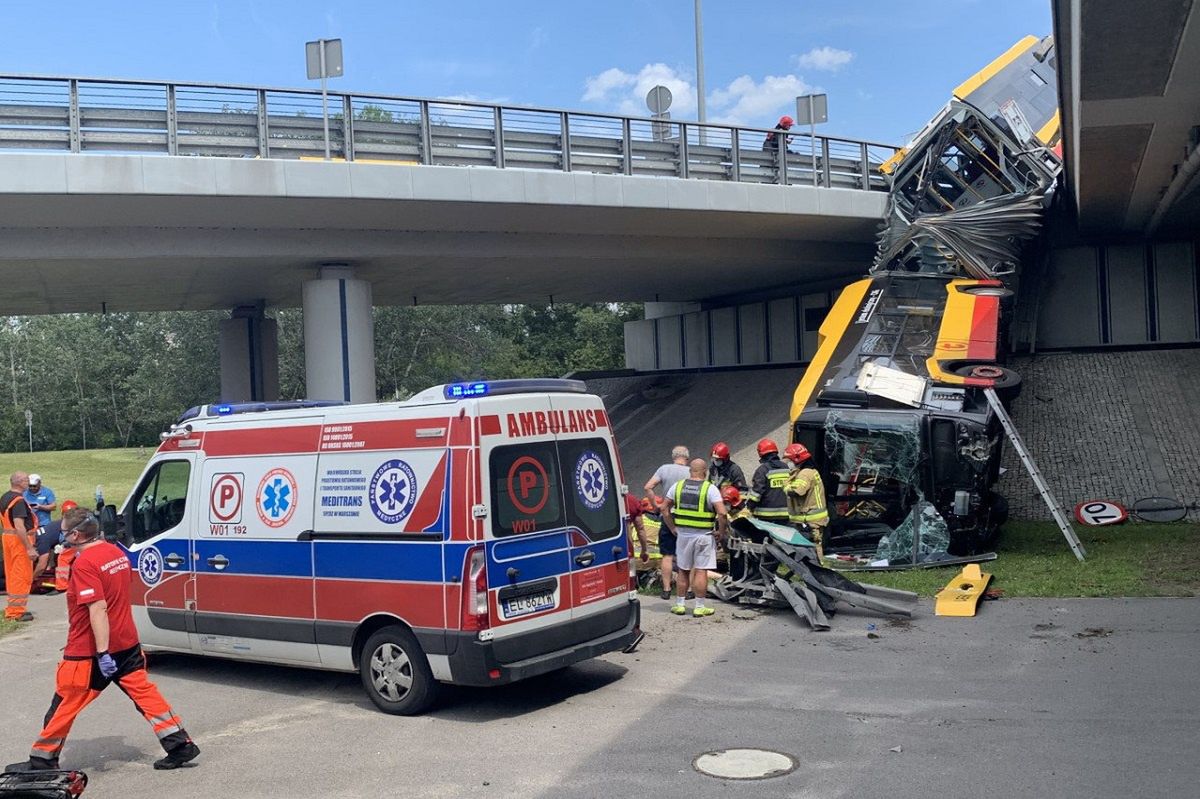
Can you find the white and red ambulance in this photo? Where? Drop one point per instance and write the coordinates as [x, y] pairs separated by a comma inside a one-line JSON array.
[[474, 534]]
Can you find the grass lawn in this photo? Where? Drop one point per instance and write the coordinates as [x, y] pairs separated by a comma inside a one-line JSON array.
[[1130, 559], [74, 474]]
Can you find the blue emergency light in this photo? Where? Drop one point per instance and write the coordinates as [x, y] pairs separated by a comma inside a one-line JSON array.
[[223, 409], [465, 390]]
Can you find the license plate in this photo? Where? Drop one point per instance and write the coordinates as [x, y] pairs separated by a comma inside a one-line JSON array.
[[524, 605]]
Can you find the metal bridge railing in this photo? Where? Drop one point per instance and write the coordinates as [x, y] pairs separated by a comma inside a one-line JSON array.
[[83, 115]]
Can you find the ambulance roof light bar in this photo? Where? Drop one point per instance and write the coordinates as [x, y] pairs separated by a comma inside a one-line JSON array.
[[495, 388], [229, 408]]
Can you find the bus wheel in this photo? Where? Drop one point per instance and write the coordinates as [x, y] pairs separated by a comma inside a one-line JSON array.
[[1002, 377], [396, 674]]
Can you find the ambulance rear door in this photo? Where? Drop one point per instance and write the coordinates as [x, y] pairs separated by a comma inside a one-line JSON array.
[[528, 545], [594, 512]]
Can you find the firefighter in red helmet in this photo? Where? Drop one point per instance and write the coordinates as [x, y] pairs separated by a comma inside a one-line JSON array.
[[806, 495], [722, 471], [766, 499], [776, 138]]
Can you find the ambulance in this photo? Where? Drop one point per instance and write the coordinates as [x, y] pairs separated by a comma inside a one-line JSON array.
[[473, 535]]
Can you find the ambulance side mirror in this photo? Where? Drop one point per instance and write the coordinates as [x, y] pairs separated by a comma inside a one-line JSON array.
[[108, 522]]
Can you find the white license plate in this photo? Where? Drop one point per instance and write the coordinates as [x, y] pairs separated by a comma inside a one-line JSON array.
[[524, 605]]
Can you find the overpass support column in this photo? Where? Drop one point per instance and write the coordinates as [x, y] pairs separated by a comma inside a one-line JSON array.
[[249, 356], [339, 337]]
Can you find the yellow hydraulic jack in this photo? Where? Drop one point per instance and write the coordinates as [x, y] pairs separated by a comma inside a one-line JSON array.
[[961, 596]]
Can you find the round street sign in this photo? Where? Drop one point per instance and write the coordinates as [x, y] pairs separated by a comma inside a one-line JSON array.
[[658, 99], [1099, 512]]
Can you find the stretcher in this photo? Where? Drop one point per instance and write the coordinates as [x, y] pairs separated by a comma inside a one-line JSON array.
[[42, 784], [775, 566]]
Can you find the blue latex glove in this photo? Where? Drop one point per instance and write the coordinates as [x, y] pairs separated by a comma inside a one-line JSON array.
[[108, 666]]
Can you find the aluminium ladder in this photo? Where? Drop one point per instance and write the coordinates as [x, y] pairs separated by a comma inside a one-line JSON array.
[[1048, 497]]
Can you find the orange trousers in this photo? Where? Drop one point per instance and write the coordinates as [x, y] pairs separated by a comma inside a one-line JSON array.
[[79, 682], [62, 572], [18, 573]]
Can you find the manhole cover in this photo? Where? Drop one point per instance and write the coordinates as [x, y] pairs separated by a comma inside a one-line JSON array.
[[744, 764]]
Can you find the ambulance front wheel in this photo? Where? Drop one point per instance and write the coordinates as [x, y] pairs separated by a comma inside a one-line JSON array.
[[396, 674]]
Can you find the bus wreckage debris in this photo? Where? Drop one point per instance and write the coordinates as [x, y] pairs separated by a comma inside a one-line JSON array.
[[774, 566]]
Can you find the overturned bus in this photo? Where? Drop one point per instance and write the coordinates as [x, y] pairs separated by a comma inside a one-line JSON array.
[[892, 405]]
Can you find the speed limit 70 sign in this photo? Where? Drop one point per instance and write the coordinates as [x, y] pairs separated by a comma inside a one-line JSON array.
[[1099, 512]]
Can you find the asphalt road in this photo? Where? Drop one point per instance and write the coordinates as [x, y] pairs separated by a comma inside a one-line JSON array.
[[1032, 698]]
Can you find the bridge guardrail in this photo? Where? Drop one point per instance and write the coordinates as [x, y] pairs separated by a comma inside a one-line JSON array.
[[82, 115]]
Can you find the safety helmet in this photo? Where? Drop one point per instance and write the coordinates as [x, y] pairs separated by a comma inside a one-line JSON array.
[[767, 446], [796, 453], [786, 121], [731, 495], [69, 504], [720, 450]]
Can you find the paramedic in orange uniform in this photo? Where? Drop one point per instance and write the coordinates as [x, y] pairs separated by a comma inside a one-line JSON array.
[[102, 648], [20, 547]]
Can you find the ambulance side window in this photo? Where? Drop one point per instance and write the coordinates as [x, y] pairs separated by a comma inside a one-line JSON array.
[[590, 487], [159, 502], [525, 489]]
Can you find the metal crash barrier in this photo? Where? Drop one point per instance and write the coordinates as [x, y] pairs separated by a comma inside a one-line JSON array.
[[84, 115]]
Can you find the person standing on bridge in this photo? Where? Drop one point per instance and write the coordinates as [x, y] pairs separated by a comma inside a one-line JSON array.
[[695, 512], [776, 140], [99, 620], [806, 495], [723, 471], [766, 499], [20, 547], [666, 476]]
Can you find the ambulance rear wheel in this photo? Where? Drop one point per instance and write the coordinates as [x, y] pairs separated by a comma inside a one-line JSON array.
[[396, 674]]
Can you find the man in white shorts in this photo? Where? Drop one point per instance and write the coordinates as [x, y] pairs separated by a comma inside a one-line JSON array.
[[695, 512], [667, 476]]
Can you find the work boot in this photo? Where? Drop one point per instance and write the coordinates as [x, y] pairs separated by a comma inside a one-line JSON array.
[[26, 616], [178, 756], [32, 764]]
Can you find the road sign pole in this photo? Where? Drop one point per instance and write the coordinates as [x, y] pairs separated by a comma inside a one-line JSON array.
[[324, 98], [812, 135]]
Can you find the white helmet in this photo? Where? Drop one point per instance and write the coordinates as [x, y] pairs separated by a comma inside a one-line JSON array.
[[35, 479]]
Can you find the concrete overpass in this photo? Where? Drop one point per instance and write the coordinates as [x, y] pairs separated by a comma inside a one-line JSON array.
[[1129, 87], [148, 196]]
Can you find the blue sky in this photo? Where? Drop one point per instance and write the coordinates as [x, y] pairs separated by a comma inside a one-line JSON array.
[[887, 66]]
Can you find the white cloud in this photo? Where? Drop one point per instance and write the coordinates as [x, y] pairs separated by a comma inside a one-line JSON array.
[[747, 102], [744, 101], [628, 90], [829, 59]]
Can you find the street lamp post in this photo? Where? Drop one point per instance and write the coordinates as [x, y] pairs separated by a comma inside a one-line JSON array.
[[700, 71]]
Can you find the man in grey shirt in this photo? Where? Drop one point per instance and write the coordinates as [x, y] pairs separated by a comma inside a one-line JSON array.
[[666, 476]]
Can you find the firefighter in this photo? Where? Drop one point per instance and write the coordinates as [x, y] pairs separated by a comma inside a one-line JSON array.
[[734, 503], [100, 620], [766, 499], [806, 495], [724, 472], [20, 547]]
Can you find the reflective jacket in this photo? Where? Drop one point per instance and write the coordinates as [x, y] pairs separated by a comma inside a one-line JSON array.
[[766, 499], [728, 473], [806, 497], [691, 509]]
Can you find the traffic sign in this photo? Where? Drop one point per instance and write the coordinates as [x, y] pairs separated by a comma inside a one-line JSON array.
[[1100, 512]]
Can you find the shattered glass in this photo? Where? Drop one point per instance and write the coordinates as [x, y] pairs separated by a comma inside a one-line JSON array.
[[875, 460], [933, 537]]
